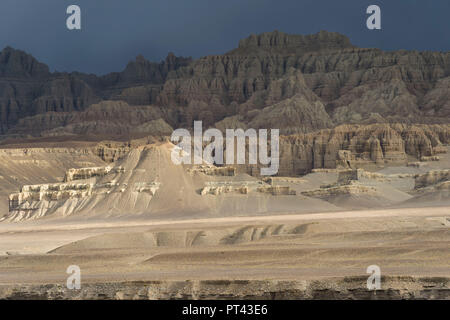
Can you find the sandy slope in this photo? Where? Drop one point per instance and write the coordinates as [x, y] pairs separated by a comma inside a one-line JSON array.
[[177, 197]]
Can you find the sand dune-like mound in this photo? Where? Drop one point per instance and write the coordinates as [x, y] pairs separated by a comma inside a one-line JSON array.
[[227, 236], [127, 187]]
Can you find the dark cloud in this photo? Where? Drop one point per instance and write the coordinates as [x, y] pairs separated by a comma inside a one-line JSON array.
[[115, 31]]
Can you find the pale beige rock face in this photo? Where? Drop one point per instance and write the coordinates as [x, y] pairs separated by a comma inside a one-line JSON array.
[[31, 166], [359, 145]]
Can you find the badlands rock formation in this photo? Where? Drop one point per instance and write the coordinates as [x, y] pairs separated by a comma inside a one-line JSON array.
[[352, 146], [315, 81], [431, 178], [107, 119], [338, 107], [145, 182], [31, 166], [88, 157], [27, 88]]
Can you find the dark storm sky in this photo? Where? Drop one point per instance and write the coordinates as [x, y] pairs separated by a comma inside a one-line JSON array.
[[115, 31]]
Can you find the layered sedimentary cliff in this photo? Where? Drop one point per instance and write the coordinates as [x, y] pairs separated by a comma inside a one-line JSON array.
[[354, 84], [114, 119], [27, 88], [296, 83], [80, 186], [353, 146]]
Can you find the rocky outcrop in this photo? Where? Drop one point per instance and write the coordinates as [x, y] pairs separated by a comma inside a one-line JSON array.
[[277, 190], [277, 42], [348, 183], [105, 119], [292, 116], [431, 178], [212, 170], [63, 93], [110, 152], [345, 177], [27, 88], [436, 103], [47, 192], [352, 189], [355, 85], [353, 146], [351, 287], [306, 86], [431, 187], [365, 186], [315, 81], [429, 158], [87, 173], [34, 201], [138, 73], [380, 102], [70, 188], [149, 187], [443, 186], [25, 165], [143, 71], [287, 104], [218, 188], [18, 64], [245, 187], [357, 146]]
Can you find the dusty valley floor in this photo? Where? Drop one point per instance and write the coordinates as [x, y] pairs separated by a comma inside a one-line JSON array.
[[413, 243]]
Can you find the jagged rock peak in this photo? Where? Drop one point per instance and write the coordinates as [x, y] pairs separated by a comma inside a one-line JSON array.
[[17, 63], [142, 70], [283, 43], [140, 59]]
